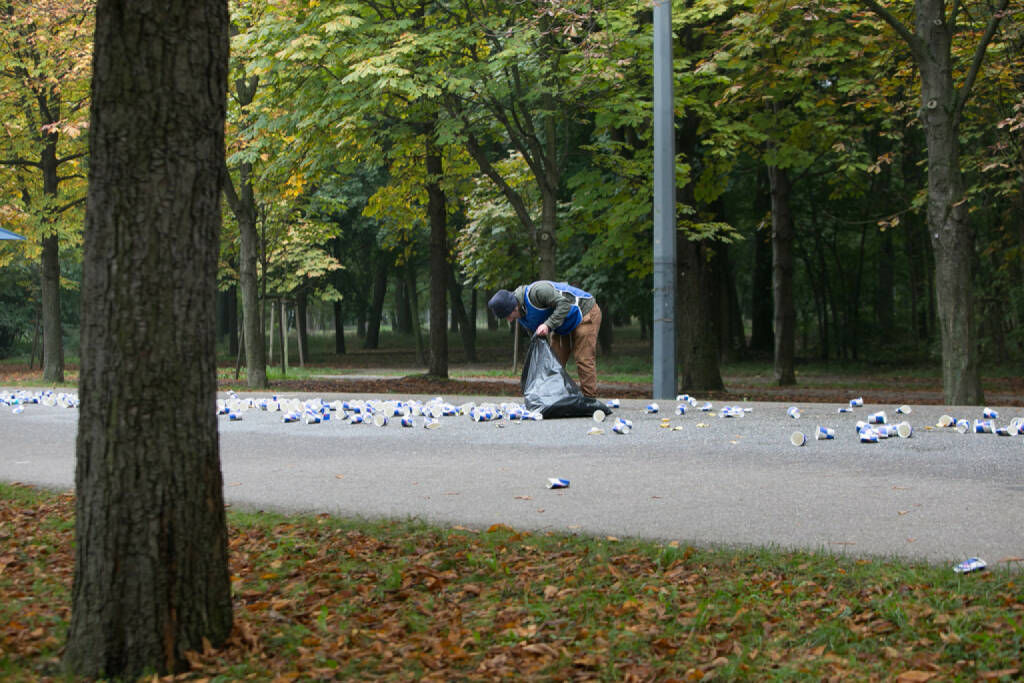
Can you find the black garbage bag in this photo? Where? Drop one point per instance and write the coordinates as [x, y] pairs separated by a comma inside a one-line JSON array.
[[548, 388]]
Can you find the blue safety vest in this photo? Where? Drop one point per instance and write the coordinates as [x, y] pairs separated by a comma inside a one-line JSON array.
[[536, 316]]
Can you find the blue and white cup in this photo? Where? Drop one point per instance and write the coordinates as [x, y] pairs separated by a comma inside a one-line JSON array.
[[869, 436], [793, 412], [857, 402], [824, 433], [989, 414], [652, 408], [877, 418], [798, 438]]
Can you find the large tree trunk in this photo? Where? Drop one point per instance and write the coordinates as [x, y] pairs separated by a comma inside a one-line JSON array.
[[53, 335], [697, 347], [782, 278], [942, 104], [762, 338], [951, 234], [244, 208], [437, 213], [151, 575]]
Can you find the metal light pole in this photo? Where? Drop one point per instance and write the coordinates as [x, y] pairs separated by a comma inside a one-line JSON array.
[[664, 206]]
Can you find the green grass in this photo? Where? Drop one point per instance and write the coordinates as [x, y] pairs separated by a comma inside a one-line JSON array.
[[342, 599]]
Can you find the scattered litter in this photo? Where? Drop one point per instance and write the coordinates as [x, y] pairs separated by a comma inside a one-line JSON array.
[[857, 402], [595, 430], [877, 418], [824, 433], [904, 430], [971, 564], [652, 408], [868, 436], [798, 438], [904, 410], [793, 412], [599, 416], [989, 414], [612, 403], [558, 483]]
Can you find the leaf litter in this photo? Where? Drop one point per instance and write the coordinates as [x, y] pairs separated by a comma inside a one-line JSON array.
[[320, 598]]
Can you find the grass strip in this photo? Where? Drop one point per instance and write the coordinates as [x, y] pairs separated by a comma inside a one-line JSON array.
[[322, 598]]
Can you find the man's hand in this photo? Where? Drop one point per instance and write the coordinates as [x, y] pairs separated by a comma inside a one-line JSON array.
[[542, 330]]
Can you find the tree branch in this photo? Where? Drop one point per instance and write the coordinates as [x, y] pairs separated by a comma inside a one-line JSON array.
[[888, 17], [20, 162], [964, 91]]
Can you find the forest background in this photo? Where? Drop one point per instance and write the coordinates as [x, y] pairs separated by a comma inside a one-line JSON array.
[[391, 164]]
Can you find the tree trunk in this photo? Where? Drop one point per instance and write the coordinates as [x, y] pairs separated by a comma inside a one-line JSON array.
[[439, 269], [339, 329], [951, 235], [466, 324], [697, 348], [244, 208], [762, 339], [302, 326], [413, 301], [53, 334], [546, 239], [404, 292], [782, 278], [380, 286], [151, 574]]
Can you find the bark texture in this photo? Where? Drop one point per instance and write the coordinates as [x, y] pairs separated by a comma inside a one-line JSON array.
[[782, 278], [151, 577], [439, 269]]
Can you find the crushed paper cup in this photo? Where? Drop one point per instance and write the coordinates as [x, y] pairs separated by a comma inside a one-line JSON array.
[[652, 407], [971, 564], [793, 412], [989, 414], [904, 410], [554, 483], [431, 423]]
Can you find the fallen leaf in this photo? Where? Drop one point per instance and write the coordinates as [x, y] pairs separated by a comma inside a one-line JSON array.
[[914, 676], [339, 476], [993, 675]]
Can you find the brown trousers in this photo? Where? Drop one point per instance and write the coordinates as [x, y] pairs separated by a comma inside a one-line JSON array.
[[582, 343]]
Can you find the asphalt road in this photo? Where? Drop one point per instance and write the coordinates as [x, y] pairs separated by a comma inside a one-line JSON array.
[[939, 496]]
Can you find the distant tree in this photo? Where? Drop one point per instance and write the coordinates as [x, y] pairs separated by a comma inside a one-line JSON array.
[[44, 67], [931, 38], [151, 578]]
